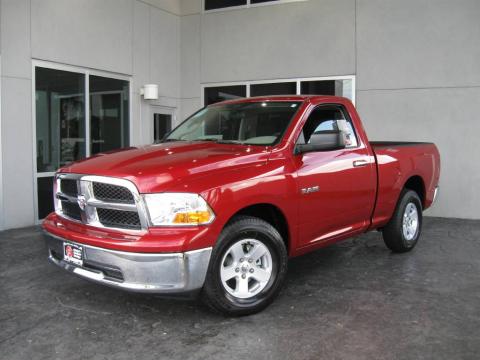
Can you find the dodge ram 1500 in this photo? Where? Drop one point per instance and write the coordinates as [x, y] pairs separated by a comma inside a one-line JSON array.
[[219, 206]]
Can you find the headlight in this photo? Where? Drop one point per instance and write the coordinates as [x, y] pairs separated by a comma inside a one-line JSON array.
[[178, 209]]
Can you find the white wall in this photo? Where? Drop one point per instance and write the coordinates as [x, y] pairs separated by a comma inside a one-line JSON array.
[[17, 162], [1, 157], [416, 62], [129, 37], [418, 78], [310, 38], [190, 48]]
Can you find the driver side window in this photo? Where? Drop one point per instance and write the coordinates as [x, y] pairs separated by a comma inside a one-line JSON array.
[[325, 118]]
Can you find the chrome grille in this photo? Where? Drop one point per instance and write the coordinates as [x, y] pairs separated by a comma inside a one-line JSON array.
[[69, 187], [100, 201], [72, 210], [112, 193]]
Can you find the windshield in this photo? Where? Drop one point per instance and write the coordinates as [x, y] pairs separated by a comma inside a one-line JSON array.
[[253, 123]]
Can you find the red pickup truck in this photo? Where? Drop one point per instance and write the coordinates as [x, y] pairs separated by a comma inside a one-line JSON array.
[[219, 206]]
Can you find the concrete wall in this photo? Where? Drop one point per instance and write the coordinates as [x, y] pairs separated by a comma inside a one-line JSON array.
[[416, 62], [418, 78], [130, 37], [1, 157]]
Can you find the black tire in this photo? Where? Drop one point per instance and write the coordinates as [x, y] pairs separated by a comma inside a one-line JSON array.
[[214, 293], [393, 233]]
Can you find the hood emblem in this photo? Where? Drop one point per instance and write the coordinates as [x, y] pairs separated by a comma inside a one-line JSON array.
[[82, 202]]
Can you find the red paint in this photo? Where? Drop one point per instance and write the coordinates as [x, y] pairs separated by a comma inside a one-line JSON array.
[[232, 177]]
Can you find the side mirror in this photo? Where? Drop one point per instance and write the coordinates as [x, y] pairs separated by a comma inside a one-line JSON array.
[[323, 141]]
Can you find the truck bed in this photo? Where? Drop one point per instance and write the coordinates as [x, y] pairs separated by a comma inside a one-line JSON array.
[[398, 162]]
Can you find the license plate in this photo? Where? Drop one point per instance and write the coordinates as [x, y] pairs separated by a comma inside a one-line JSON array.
[[73, 253]]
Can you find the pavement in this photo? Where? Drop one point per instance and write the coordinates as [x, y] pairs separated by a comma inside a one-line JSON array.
[[352, 300]]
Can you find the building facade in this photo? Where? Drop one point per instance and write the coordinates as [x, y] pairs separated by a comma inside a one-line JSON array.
[[72, 72]]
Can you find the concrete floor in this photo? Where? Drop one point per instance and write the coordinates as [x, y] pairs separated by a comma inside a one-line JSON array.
[[354, 300]]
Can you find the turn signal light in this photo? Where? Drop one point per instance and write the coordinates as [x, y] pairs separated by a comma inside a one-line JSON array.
[[196, 217]]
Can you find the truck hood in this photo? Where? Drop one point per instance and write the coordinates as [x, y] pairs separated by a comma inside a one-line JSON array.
[[156, 168]]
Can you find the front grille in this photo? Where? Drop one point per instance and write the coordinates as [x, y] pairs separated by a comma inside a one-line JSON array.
[[69, 187], [112, 193], [72, 210], [119, 218], [99, 201]]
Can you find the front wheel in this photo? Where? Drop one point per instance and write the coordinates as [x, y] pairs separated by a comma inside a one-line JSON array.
[[402, 232], [247, 267]]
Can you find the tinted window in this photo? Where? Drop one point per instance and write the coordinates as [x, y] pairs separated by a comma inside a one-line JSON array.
[[259, 123], [220, 4], [108, 113], [286, 88], [61, 123], [60, 118], [220, 93], [324, 87], [162, 124], [328, 119]]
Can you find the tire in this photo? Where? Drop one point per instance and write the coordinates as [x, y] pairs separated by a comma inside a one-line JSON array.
[[237, 283], [400, 236]]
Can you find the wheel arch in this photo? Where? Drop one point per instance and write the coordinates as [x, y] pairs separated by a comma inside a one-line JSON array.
[[416, 183], [269, 213]]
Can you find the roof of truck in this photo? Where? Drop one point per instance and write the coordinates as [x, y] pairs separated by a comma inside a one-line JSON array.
[[282, 98]]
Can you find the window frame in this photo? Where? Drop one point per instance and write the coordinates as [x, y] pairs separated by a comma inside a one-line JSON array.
[[298, 81], [86, 72], [248, 5], [345, 113]]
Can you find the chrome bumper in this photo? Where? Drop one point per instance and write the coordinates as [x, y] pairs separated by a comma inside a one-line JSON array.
[[165, 273]]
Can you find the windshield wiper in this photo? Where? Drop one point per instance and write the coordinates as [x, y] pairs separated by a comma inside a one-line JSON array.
[[207, 139], [168, 140]]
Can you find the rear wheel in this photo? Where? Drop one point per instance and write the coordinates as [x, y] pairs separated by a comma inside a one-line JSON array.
[[402, 232], [247, 267]]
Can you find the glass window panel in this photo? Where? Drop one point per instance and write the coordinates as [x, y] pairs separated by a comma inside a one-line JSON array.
[[221, 93], [162, 124], [45, 196], [109, 113], [60, 118], [328, 119], [285, 88], [220, 4], [324, 87], [328, 87]]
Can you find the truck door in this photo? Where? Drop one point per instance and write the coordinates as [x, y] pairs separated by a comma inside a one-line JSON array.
[[336, 188]]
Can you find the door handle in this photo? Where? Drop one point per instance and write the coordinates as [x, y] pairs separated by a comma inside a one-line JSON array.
[[360, 163]]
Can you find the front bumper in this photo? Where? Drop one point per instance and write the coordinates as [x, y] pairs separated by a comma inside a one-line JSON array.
[[165, 273]]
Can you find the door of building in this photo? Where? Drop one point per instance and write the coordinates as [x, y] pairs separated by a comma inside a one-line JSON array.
[[163, 119]]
